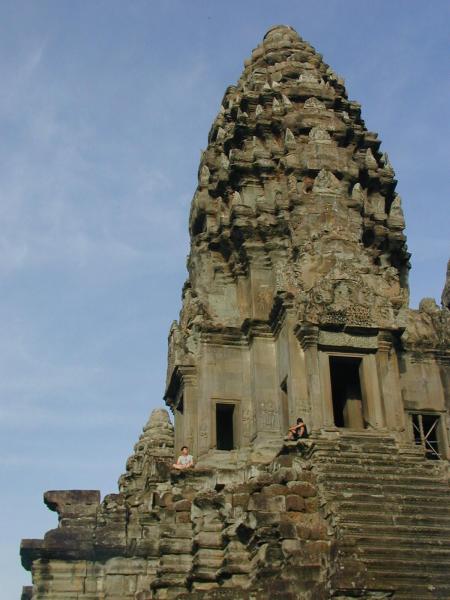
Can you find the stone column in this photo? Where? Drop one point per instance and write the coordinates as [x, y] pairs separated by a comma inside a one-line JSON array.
[[299, 404], [389, 377], [370, 388], [188, 436], [309, 336], [264, 384]]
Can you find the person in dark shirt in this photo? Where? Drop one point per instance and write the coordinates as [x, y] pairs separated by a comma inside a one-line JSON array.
[[297, 431]]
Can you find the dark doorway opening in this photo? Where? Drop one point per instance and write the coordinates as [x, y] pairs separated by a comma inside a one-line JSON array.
[[284, 405], [224, 426], [346, 392]]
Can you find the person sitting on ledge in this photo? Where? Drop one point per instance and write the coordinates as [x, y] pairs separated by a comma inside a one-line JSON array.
[[295, 432], [185, 460]]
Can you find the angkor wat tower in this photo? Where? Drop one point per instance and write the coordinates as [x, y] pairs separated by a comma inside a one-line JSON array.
[[296, 305]]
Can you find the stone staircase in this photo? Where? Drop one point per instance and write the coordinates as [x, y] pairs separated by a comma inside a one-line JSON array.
[[390, 510]]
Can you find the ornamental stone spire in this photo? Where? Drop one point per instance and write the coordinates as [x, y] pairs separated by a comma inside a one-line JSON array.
[[295, 217]]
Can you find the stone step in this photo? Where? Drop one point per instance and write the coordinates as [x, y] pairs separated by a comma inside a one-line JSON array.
[[427, 593], [388, 497], [237, 566], [386, 569], [383, 531], [422, 588], [169, 579], [360, 456], [388, 463], [182, 561], [387, 487], [208, 558], [358, 442], [394, 539], [395, 509], [393, 520], [413, 552], [378, 477], [176, 546], [205, 574], [365, 436], [176, 530]]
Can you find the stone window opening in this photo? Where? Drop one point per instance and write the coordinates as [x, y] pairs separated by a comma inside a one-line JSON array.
[[225, 430], [425, 429], [347, 397]]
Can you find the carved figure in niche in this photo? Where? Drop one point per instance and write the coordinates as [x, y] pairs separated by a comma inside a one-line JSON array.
[[270, 418], [263, 301], [325, 180], [246, 419], [314, 105], [317, 134], [185, 460], [203, 433]]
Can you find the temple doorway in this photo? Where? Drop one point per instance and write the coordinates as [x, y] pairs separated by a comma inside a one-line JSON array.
[[346, 392], [225, 426]]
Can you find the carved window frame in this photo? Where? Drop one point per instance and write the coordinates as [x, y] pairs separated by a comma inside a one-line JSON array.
[[420, 434]]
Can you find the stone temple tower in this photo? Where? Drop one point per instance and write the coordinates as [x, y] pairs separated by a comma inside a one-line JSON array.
[[296, 305]]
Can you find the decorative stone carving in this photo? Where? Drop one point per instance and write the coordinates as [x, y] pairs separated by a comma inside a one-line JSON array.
[[314, 105], [319, 135]]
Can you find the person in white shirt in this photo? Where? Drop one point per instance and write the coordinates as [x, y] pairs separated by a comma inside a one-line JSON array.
[[185, 460]]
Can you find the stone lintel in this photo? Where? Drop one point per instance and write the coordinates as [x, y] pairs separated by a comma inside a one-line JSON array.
[[255, 328], [229, 336], [341, 339], [72, 545], [181, 374]]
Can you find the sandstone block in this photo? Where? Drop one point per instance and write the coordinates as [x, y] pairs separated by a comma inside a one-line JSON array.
[[182, 505], [261, 502], [274, 489], [209, 539], [295, 503], [302, 488], [240, 500]]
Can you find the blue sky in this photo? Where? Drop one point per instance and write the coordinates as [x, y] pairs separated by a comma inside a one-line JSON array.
[[104, 109]]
